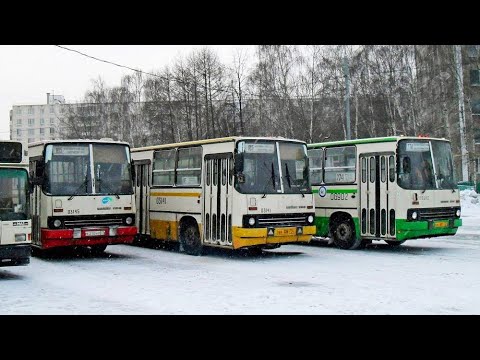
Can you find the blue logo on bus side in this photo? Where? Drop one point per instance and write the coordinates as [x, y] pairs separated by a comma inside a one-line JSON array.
[[322, 191], [106, 200]]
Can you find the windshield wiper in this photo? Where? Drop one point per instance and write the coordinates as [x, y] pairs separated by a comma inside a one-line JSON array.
[[76, 192], [272, 176], [287, 175], [108, 187]]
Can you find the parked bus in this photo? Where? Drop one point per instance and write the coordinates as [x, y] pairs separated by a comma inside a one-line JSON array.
[[233, 192], [15, 223], [391, 189], [83, 194]]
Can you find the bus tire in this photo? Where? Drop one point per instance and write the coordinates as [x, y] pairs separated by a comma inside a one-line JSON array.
[[190, 240], [395, 243], [343, 232], [98, 249]]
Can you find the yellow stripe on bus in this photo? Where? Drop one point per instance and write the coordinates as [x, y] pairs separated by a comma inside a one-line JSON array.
[[175, 194]]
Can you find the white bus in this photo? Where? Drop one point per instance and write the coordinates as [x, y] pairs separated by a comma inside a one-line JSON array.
[[391, 189], [234, 192], [15, 223], [83, 194]]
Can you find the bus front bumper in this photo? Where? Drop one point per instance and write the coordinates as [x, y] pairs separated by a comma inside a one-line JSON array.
[[11, 255], [88, 236], [424, 229], [244, 237]]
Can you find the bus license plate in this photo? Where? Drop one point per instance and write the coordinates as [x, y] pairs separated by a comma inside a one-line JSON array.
[[440, 224], [94, 232], [288, 231]]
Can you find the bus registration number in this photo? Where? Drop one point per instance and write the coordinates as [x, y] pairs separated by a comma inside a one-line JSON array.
[[440, 224], [287, 231], [94, 232]]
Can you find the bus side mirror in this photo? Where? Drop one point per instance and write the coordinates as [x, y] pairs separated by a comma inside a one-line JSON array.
[[37, 180], [133, 173], [241, 178]]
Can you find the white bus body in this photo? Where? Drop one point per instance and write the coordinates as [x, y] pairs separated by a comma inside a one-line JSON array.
[[373, 189], [234, 192], [15, 222], [83, 194]]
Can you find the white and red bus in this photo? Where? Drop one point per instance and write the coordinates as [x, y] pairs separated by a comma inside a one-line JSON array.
[[83, 194]]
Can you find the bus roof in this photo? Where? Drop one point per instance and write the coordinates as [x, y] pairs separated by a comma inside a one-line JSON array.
[[370, 140], [99, 141], [211, 141]]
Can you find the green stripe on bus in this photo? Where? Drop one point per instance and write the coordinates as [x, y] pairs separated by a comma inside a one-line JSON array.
[[338, 191]]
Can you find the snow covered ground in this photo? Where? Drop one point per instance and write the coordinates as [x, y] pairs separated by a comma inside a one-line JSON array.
[[426, 276]]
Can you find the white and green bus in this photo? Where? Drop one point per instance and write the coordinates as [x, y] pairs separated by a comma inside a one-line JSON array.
[[233, 192], [392, 189], [15, 223]]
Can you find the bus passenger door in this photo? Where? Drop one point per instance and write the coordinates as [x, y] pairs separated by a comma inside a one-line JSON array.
[[217, 199], [376, 195], [142, 198]]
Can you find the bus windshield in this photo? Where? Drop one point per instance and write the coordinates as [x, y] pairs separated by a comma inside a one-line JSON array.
[[257, 167], [425, 165], [69, 168], [14, 196]]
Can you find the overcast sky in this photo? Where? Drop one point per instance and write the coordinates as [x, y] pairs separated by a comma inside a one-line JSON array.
[[29, 72]]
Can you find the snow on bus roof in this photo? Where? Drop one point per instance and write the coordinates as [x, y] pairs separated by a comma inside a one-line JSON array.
[[212, 141]]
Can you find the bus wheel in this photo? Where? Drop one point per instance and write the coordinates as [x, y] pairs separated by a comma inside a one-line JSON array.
[[395, 243], [344, 235], [98, 249], [190, 240]]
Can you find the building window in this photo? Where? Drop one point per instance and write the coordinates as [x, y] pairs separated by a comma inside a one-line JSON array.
[[42, 110], [474, 77], [31, 122], [19, 132], [52, 121], [51, 110], [472, 51], [31, 132], [19, 111], [19, 122], [52, 131], [42, 131], [30, 110], [476, 106], [42, 121]]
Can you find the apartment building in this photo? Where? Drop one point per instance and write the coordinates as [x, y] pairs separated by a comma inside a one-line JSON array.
[[35, 122]]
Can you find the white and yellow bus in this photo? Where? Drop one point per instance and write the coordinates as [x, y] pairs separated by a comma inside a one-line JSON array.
[[83, 194], [15, 223], [391, 189], [233, 192]]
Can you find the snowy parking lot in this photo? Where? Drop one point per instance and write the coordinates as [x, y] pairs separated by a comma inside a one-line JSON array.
[[425, 276]]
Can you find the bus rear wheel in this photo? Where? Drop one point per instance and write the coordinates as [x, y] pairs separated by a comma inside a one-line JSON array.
[[395, 243], [344, 235], [190, 240]]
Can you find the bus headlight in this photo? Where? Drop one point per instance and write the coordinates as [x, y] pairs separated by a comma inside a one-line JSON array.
[[129, 220], [57, 223], [251, 221], [414, 215], [20, 237], [310, 219], [458, 212]]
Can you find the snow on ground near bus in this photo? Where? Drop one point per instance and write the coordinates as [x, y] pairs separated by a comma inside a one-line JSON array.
[[426, 276]]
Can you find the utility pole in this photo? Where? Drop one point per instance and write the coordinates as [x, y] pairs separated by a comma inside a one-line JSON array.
[[347, 94], [461, 110]]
